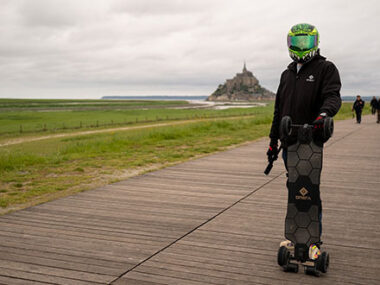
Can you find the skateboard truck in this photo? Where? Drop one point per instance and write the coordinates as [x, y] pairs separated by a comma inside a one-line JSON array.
[[302, 223], [286, 127], [287, 260]]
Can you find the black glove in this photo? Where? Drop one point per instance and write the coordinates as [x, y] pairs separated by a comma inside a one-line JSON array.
[[272, 152], [318, 122]]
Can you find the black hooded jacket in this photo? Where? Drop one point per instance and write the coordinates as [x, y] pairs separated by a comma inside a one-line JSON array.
[[374, 103], [358, 105], [303, 96]]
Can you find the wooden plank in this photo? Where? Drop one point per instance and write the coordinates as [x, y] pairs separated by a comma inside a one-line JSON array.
[[95, 257], [24, 252], [4, 280], [96, 224], [68, 265], [54, 271], [66, 233], [113, 234], [14, 276], [138, 277]]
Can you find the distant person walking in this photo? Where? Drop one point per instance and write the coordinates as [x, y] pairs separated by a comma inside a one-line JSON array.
[[358, 107], [374, 104], [378, 111]]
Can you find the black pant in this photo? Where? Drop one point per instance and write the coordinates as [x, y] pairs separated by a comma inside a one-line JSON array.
[[358, 116]]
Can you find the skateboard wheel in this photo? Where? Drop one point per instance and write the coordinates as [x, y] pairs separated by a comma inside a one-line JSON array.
[[292, 268], [328, 128], [311, 271], [285, 126], [323, 262], [283, 256]]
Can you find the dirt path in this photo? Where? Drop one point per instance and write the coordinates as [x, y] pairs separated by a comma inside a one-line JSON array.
[[182, 122]]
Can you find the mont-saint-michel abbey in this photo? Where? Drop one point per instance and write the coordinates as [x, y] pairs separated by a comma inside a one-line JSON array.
[[243, 87]]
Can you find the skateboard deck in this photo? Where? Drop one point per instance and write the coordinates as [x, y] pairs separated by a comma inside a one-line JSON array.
[[302, 223]]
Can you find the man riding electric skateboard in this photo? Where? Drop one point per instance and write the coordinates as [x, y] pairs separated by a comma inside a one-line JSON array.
[[309, 91]]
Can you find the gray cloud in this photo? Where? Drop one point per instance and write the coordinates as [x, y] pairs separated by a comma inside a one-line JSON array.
[[89, 48]]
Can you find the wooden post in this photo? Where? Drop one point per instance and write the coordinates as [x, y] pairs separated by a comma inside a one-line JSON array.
[[20, 128]]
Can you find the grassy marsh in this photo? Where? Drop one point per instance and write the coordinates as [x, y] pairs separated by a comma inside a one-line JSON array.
[[34, 172]]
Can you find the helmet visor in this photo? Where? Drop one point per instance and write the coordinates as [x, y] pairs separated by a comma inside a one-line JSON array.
[[302, 42]]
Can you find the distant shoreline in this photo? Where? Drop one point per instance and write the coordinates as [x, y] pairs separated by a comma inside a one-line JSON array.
[[157, 97], [198, 97]]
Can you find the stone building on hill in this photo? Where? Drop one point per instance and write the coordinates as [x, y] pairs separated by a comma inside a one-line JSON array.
[[243, 87]]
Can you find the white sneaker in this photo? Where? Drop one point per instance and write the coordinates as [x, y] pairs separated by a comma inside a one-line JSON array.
[[314, 252], [288, 244]]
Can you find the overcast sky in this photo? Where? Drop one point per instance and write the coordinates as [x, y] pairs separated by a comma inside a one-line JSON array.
[[93, 48]]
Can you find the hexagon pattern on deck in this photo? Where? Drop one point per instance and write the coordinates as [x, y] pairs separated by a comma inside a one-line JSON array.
[[303, 227], [303, 160]]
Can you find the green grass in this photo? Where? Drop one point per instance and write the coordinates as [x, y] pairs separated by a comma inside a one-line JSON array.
[[16, 124], [31, 104], [37, 171], [22, 116], [38, 168]]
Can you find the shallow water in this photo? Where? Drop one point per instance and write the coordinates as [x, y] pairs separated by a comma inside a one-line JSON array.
[[199, 104]]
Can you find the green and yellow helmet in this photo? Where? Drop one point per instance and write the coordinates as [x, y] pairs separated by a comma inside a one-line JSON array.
[[303, 40]]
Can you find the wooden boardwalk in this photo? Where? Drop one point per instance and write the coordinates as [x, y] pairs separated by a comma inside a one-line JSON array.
[[214, 220]]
